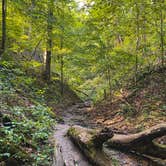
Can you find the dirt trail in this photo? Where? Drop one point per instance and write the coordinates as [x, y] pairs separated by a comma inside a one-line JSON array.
[[67, 154]]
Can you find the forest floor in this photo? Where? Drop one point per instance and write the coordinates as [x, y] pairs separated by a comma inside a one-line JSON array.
[[26, 120], [135, 109], [67, 153]]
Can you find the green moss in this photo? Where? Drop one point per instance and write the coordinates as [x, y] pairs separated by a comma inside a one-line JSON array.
[[72, 132], [115, 162]]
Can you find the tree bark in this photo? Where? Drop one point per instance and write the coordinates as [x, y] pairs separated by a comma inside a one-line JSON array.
[[83, 137], [62, 64], [137, 41], [162, 33], [99, 151], [138, 143], [4, 10], [141, 142], [49, 40]]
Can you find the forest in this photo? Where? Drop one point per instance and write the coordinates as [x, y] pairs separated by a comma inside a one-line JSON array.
[[82, 83]]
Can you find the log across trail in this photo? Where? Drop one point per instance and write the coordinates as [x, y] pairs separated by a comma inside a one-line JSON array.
[[82, 146], [121, 149], [141, 142], [67, 154]]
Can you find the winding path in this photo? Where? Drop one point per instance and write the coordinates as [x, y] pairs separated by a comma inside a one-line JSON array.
[[67, 154]]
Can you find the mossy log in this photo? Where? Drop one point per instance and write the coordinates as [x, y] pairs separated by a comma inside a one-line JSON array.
[[83, 138], [102, 136], [89, 141], [142, 142]]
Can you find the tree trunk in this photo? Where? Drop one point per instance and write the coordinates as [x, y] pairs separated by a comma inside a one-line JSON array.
[[141, 142], [137, 42], [62, 67], [49, 40], [83, 137], [4, 10], [90, 141], [162, 34], [144, 38]]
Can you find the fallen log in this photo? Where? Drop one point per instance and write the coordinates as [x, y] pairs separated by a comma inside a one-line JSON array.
[[102, 136], [83, 137], [142, 142], [88, 139]]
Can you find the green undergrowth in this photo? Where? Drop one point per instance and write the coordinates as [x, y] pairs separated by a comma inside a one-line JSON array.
[[25, 119]]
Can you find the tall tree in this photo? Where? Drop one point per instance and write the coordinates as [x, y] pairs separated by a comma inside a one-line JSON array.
[[162, 31], [49, 39], [62, 66], [3, 42], [137, 39]]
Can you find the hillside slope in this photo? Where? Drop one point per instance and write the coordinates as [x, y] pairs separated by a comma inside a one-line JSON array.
[[135, 107], [26, 114]]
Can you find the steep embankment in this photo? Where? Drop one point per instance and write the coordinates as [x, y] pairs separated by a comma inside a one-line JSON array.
[[26, 116], [135, 107]]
